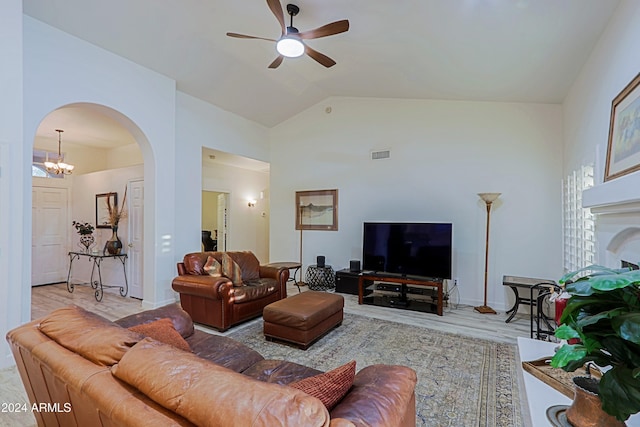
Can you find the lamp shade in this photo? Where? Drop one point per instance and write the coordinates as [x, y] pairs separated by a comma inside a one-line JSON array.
[[489, 197], [290, 46]]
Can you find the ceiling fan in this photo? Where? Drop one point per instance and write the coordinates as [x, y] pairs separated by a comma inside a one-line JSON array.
[[290, 44]]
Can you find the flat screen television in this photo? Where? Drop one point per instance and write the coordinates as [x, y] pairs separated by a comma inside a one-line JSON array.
[[408, 248]]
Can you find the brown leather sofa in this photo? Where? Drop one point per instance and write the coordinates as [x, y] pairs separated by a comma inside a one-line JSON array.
[[85, 370], [215, 301]]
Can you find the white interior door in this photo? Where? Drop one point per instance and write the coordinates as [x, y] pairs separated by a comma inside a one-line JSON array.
[[222, 221], [49, 248], [136, 228]]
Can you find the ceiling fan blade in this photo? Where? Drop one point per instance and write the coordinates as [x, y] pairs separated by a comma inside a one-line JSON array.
[[276, 9], [244, 36], [276, 63], [319, 57], [326, 30]]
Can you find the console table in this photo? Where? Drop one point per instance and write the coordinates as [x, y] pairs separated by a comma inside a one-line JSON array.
[[527, 283], [403, 281], [97, 285]]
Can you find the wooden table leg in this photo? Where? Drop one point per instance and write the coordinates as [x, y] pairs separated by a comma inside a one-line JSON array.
[[360, 289]]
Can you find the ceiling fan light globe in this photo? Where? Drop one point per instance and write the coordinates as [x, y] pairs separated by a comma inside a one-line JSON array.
[[291, 47]]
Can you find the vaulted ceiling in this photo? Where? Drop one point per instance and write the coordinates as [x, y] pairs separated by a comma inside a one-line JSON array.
[[489, 50]]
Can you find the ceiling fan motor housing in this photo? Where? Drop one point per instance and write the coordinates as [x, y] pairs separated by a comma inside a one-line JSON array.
[[292, 9]]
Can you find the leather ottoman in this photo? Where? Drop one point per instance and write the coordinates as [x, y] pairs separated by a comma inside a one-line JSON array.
[[303, 318]]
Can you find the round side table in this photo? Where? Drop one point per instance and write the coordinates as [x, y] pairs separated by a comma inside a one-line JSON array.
[[320, 278]]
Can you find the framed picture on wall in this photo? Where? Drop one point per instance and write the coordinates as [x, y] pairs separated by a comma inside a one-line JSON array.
[[317, 210], [102, 208], [623, 149]]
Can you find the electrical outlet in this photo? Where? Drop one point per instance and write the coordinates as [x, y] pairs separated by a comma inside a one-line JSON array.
[[455, 282]]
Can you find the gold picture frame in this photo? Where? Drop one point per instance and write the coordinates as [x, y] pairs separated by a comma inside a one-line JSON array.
[[317, 210], [623, 148]]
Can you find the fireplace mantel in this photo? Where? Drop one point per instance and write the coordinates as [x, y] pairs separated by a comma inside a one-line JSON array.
[[619, 196]]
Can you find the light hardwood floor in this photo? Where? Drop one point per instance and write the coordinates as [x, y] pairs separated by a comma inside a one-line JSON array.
[[457, 319]]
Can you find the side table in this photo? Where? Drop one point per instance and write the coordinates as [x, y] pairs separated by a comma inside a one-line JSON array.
[[320, 278], [295, 266], [96, 259]]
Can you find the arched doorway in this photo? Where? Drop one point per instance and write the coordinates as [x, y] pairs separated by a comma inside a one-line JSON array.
[[108, 152]]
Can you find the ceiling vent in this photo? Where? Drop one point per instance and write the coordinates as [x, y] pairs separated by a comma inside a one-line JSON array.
[[380, 154]]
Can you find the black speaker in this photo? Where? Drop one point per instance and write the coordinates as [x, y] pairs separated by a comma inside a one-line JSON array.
[[320, 261], [354, 265]]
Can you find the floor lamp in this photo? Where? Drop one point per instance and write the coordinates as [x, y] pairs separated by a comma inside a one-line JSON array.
[[488, 199], [300, 282]]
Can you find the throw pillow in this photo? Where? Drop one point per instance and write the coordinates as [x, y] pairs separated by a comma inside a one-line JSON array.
[[213, 267], [162, 330], [330, 386], [231, 269]]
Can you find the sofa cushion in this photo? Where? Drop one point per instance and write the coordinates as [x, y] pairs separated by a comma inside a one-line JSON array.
[[180, 318], [223, 351], [330, 386], [231, 269], [279, 371], [88, 334], [248, 262], [163, 331], [254, 290], [213, 267], [209, 395]]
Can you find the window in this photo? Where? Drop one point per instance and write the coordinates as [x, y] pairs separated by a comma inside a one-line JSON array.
[[37, 167], [578, 222]]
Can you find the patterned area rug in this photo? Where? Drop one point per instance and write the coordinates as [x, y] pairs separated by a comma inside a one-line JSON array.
[[462, 381]]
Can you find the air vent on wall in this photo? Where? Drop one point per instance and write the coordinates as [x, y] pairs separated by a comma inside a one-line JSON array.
[[380, 154]]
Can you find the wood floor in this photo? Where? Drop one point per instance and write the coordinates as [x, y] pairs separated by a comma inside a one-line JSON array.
[[457, 319]]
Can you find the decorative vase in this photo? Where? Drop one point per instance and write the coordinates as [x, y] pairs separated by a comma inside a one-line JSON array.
[[114, 245], [86, 240], [586, 409]]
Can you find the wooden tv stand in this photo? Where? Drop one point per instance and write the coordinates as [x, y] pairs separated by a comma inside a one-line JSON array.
[[404, 281]]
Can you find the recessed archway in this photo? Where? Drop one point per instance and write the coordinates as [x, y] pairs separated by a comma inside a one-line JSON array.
[[101, 130]]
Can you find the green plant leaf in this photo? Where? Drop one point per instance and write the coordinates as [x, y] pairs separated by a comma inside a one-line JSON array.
[[610, 282], [628, 326], [585, 321], [568, 353], [620, 392], [580, 287], [566, 332]]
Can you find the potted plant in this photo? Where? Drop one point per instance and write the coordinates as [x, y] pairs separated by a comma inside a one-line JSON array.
[[603, 313], [85, 230]]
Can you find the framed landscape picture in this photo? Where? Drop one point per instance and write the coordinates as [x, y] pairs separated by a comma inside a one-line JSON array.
[[102, 209], [623, 149], [317, 210]]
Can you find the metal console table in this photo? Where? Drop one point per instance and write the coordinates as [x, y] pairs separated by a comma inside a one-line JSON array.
[[527, 283], [97, 261]]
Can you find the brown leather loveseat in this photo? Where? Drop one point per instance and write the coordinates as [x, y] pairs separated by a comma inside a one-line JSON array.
[[217, 301], [88, 371]]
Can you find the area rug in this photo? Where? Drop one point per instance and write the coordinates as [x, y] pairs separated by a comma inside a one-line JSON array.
[[462, 381]]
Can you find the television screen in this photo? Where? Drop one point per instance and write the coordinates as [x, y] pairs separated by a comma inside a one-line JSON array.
[[408, 248]]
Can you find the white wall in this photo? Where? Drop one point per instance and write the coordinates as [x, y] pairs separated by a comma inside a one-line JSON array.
[[83, 208], [199, 124], [611, 66], [248, 228], [442, 154], [15, 180], [137, 98], [587, 111]]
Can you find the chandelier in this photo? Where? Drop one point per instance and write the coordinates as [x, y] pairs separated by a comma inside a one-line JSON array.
[[59, 167]]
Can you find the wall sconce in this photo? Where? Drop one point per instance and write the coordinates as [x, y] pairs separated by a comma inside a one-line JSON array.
[[252, 203]]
